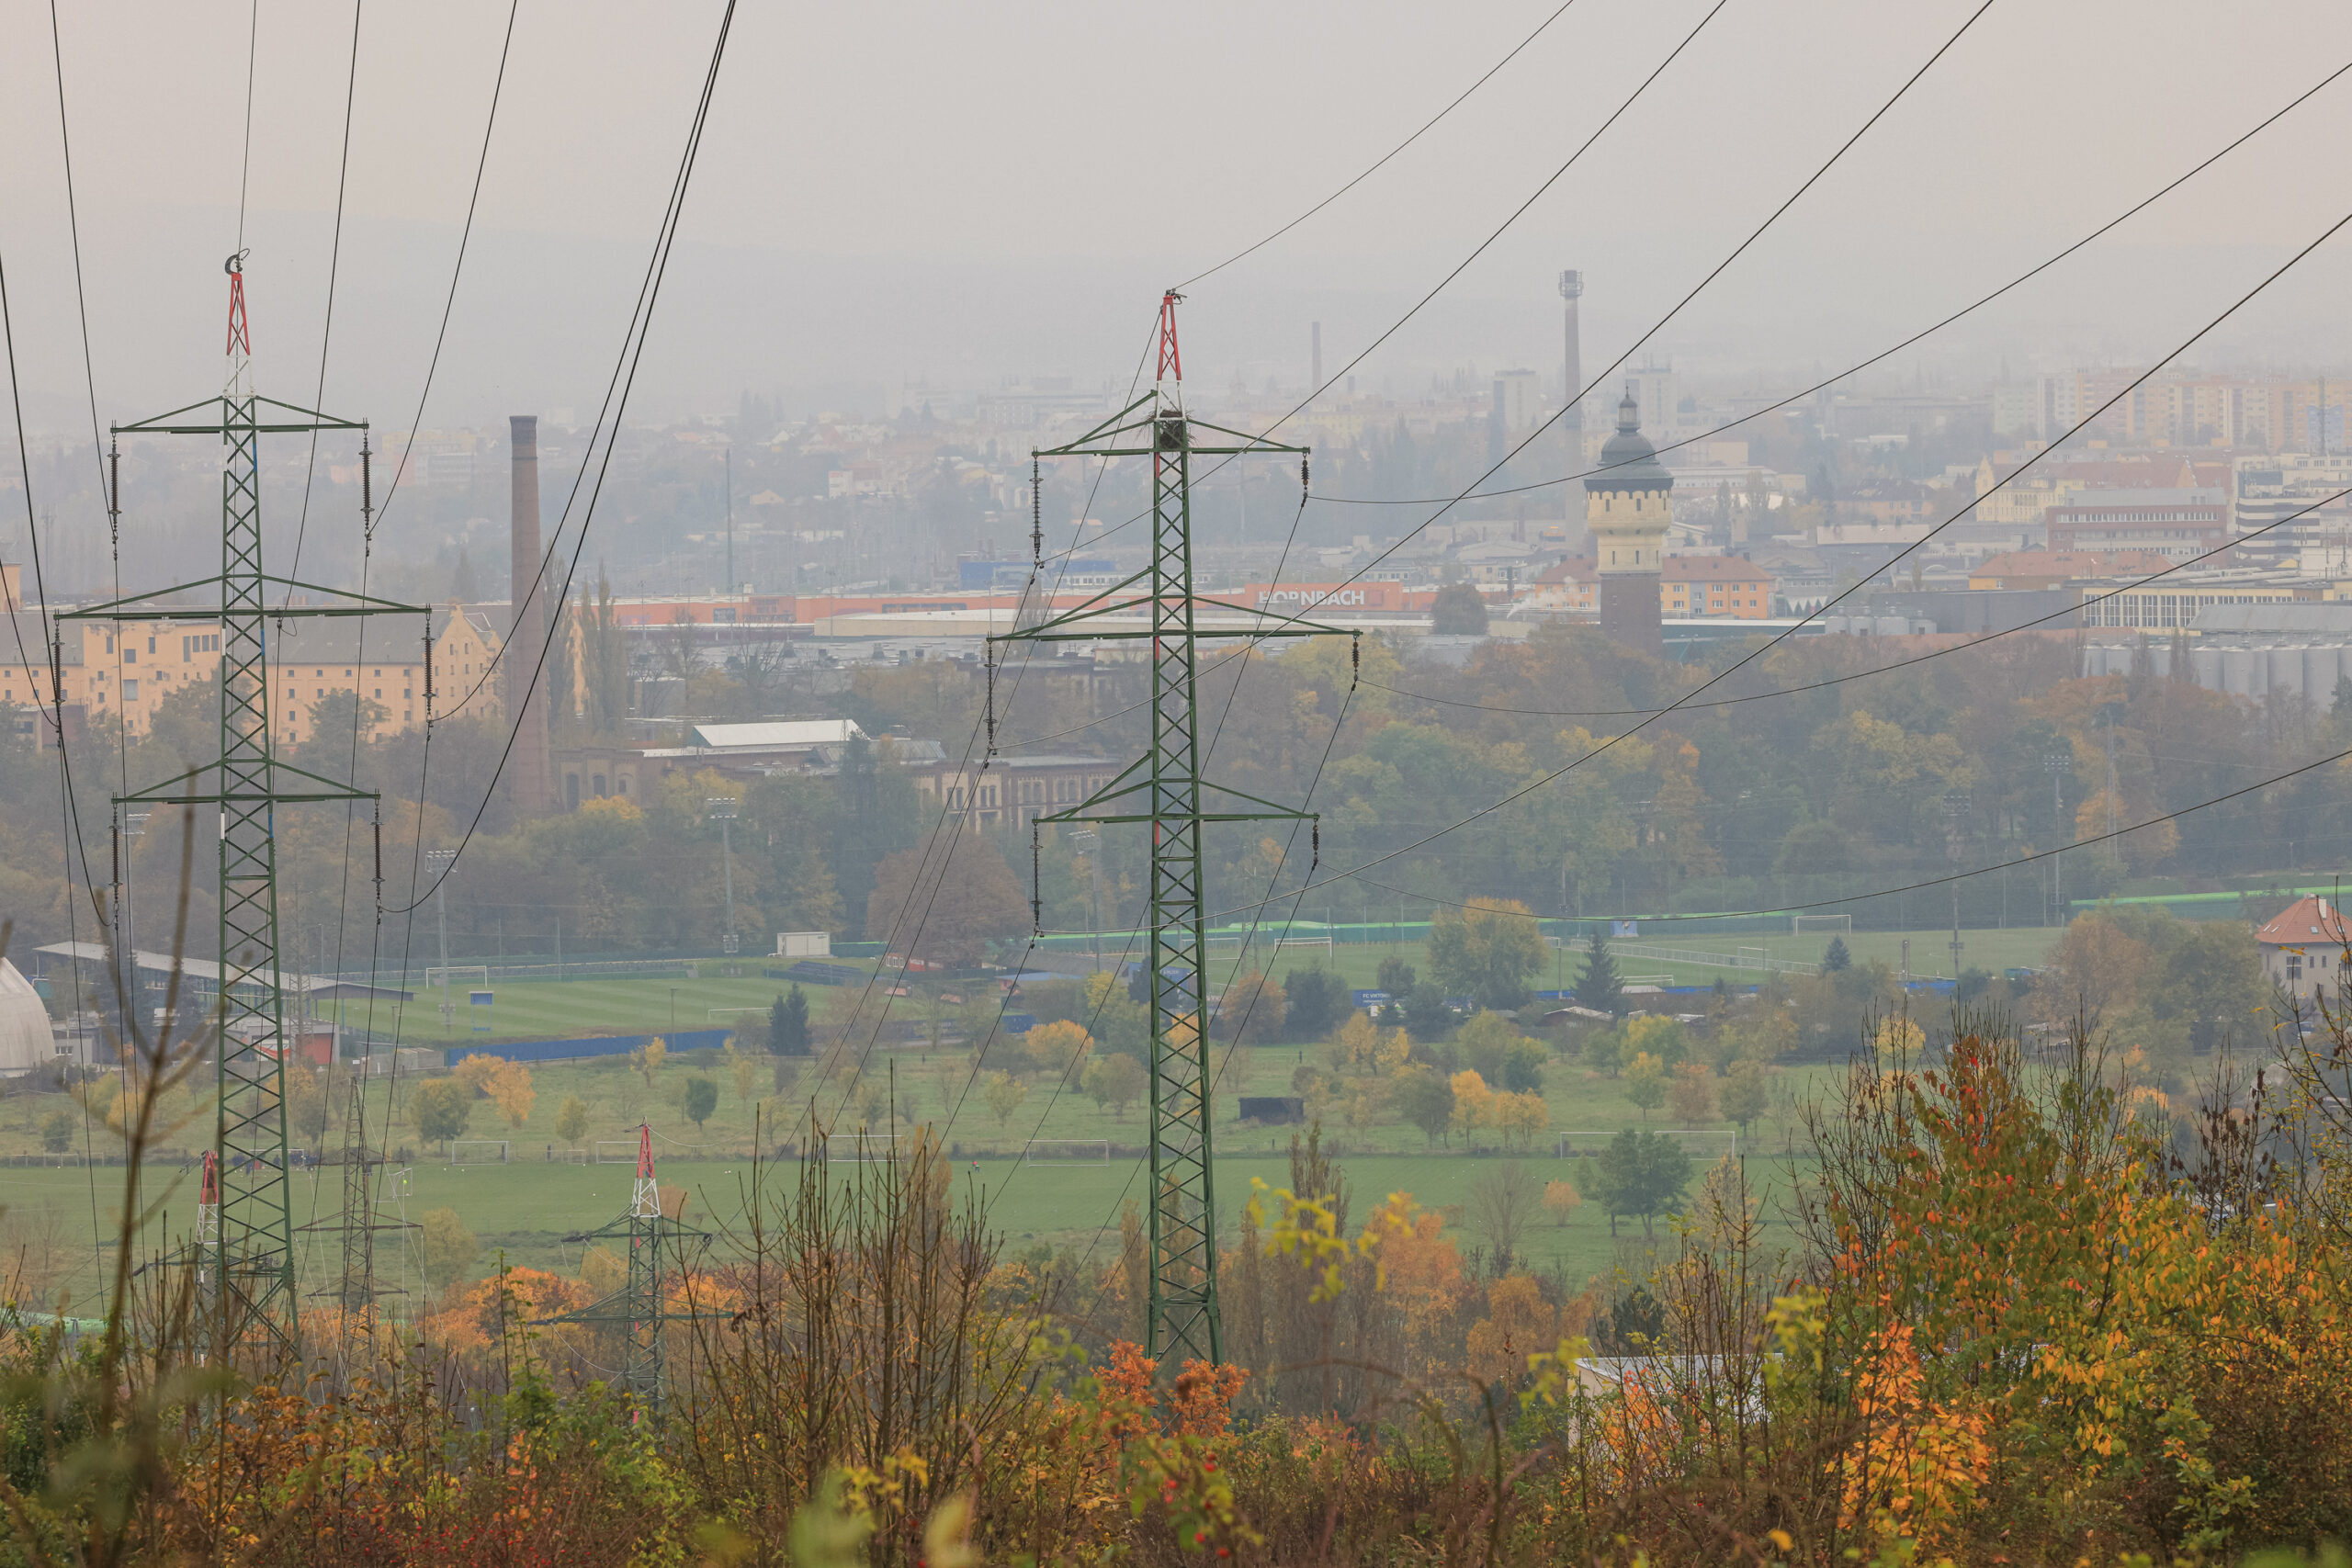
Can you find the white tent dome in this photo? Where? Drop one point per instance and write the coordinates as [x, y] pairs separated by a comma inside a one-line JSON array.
[[25, 1043]]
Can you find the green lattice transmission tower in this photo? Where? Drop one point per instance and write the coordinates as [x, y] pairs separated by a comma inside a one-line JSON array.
[[637, 1310], [1164, 787], [248, 1253]]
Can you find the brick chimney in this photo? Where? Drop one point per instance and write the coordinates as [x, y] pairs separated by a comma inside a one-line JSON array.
[[529, 779]]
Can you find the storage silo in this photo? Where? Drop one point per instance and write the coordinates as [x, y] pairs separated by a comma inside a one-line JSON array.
[[27, 1044]]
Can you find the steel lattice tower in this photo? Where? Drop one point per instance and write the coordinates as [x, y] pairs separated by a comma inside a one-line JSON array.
[[254, 1253], [1165, 788], [637, 1310]]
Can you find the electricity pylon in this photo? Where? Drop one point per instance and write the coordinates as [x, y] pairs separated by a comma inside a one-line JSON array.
[[639, 1308], [253, 1258], [1164, 788]]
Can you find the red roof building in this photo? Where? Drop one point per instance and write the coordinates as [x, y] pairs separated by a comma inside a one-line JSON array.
[[2304, 949]]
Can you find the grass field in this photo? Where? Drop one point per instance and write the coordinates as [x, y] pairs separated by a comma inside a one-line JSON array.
[[557, 1009], [524, 1209], [539, 1009]]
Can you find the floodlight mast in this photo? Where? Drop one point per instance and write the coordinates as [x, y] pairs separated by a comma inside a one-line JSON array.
[[1165, 788], [250, 1247]]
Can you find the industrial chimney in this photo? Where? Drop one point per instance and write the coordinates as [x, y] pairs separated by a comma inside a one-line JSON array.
[[1572, 422], [530, 780]]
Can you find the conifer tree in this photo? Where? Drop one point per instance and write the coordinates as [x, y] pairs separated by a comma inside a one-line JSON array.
[[1599, 988]]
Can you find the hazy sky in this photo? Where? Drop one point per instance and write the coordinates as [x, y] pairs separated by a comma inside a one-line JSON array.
[[964, 193]]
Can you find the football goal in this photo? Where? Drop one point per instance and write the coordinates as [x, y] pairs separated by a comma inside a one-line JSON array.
[[475, 976], [1067, 1151], [1704, 1143], [615, 1151], [1799, 924], [861, 1148], [480, 1150]]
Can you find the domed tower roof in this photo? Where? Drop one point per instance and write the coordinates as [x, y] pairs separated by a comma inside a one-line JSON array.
[[1628, 461]]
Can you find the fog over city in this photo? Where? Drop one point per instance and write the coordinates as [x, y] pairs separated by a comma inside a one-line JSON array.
[[1552, 783]]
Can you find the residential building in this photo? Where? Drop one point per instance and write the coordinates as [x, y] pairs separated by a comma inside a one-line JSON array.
[[118, 673], [1013, 791], [1519, 397], [1714, 585], [2304, 951], [2053, 568], [1688, 585], [2178, 524]]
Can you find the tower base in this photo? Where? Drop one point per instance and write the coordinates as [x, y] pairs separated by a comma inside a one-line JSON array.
[[1629, 612]]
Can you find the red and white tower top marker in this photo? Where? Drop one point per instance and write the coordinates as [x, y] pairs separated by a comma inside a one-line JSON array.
[[645, 1198], [1170, 381]]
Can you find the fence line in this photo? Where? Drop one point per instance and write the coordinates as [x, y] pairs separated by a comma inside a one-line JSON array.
[[1746, 958]]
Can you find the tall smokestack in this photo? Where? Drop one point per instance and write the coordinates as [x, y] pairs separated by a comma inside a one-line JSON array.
[[1572, 422], [528, 773], [1315, 357]]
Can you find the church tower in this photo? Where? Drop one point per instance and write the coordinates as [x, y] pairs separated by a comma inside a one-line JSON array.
[[1628, 506]]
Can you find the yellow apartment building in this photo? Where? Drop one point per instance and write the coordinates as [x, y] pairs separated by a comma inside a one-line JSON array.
[[116, 675]]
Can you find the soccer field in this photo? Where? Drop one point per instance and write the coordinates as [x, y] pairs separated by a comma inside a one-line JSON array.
[[551, 1010]]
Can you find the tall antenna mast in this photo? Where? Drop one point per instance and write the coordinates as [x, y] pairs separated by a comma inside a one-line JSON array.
[[252, 1250], [1164, 788]]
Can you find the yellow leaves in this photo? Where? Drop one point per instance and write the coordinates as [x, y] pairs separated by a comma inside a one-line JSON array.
[[1308, 1229], [1918, 1464]]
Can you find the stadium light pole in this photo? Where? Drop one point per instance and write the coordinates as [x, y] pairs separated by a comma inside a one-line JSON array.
[[1955, 820], [439, 862], [1089, 842], [2058, 764], [722, 809]]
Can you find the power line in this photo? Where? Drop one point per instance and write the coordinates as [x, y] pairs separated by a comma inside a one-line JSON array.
[[1861, 366], [923, 860], [432, 368], [1386, 156], [622, 382], [1577, 396], [2029, 859], [465, 238], [1745, 659], [326, 325], [245, 166], [2089, 602], [69, 809], [631, 351]]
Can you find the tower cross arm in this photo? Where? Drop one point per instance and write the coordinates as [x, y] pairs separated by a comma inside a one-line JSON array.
[[139, 606], [225, 421]]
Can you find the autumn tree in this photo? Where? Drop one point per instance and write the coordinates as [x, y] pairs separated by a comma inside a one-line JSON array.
[[1487, 952], [1252, 1010], [1503, 1202], [1055, 1046], [510, 1090], [1690, 1094], [1003, 1096], [449, 1248], [946, 899], [1474, 1104], [1425, 1097], [1115, 1081], [440, 1108], [571, 1120], [1744, 1096], [1561, 1200], [1645, 1082]]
